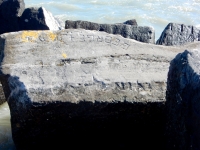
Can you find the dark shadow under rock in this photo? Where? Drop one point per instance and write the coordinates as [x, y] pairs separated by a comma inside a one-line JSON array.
[[10, 11], [91, 125]]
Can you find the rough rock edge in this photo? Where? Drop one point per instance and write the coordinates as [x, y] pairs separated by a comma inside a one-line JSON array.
[[178, 34], [182, 102]]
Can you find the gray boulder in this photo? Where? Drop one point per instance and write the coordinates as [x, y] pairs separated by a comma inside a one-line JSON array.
[[183, 102], [10, 11], [128, 29], [38, 19], [73, 86], [178, 34]]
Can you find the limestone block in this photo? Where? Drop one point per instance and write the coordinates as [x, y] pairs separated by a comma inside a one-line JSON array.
[[76, 85]]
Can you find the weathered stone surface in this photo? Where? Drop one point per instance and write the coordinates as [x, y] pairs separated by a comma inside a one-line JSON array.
[[90, 54], [183, 105], [178, 34], [143, 34], [38, 19], [10, 11], [74, 86]]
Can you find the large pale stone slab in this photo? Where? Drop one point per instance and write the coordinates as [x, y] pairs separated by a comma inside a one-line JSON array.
[[72, 83], [81, 64]]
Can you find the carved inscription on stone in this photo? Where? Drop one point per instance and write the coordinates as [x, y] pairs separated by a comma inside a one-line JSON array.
[[80, 37], [69, 37]]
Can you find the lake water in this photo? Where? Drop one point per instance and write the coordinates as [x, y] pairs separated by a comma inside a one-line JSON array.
[[154, 13], [6, 142]]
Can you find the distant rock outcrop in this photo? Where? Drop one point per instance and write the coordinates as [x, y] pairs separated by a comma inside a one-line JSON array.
[[178, 34], [183, 102], [131, 22], [128, 29], [10, 12], [38, 19]]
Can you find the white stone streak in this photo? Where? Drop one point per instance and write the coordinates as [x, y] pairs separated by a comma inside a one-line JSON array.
[[51, 22]]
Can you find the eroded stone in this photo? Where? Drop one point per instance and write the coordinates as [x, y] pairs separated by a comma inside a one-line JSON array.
[[83, 83]]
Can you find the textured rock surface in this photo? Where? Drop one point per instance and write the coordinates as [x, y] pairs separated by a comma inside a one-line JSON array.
[[38, 19], [10, 11], [131, 22], [77, 86], [178, 34], [183, 102], [128, 29]]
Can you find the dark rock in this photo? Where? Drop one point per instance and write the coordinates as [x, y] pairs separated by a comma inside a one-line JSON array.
[[10, 11], [14, 17], [38, 19], [178, 34], [142, 34], [131, 22], [183, 102]]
